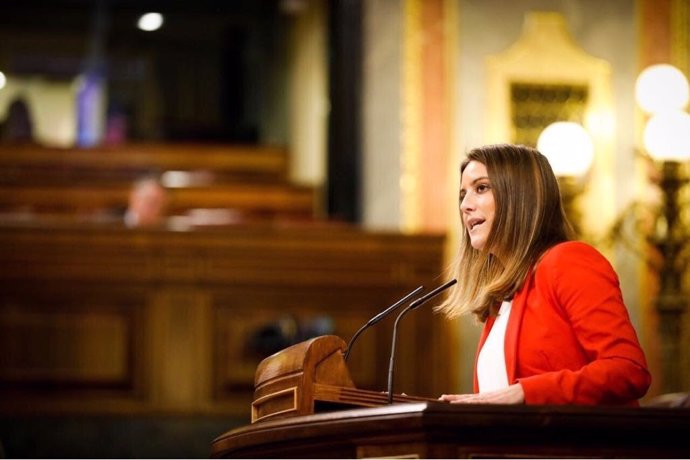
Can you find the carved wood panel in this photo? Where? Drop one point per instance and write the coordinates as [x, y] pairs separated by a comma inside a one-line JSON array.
[[62, 341], [111, 320]]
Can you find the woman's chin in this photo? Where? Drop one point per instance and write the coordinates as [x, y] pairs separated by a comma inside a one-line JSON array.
[[478, 244]]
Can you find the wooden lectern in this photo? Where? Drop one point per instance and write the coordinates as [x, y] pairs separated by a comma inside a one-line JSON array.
[[298, 389], [308, 378]]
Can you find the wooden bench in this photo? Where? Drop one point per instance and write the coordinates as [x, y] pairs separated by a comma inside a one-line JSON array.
[[250, 182], [249, 199], [26, 164]]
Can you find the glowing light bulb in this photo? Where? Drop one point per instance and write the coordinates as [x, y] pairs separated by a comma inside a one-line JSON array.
[[150, 22], [667, 136], [661, 88], [568, 147]]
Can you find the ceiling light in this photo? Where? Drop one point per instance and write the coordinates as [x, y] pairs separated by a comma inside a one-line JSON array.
[[150, 22]]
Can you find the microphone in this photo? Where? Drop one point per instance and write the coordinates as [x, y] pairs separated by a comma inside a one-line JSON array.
[[415, 304], [379, 317]]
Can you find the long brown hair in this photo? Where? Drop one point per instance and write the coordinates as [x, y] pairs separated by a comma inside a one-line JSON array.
[[529, 219]]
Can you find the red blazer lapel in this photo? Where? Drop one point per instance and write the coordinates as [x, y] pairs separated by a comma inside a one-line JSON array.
[[514, 327]]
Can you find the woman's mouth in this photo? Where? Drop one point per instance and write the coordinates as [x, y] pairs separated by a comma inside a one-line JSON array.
[[473, 223]]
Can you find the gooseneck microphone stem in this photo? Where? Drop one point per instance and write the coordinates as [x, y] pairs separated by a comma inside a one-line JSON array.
[[379, 317], [391, 364], [415, 304]]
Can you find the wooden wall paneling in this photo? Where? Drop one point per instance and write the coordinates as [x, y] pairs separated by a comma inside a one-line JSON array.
[[186, 306], [79, 346], [249, 326], [180, 365]]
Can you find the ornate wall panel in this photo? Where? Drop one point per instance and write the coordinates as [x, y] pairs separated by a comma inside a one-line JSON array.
[[543, 77]]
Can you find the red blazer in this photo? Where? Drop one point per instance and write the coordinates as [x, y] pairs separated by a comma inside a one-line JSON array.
[[569, 339]]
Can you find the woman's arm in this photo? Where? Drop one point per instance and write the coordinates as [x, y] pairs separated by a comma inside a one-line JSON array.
[[585, 286]]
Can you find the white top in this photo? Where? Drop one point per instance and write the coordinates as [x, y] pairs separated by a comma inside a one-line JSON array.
[[491, 364]]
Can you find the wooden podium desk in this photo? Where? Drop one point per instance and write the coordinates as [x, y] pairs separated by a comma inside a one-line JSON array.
[[441, 430]]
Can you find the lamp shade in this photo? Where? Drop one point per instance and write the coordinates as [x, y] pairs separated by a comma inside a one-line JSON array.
[[660, 88], [568, 147], [667, 136]]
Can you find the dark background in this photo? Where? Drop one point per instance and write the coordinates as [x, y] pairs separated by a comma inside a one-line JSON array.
[[215, 72]]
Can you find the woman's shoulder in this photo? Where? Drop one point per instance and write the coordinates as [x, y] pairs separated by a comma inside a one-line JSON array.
[[573, 253]]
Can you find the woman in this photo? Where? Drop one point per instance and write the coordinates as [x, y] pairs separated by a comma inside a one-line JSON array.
[[556, 330]]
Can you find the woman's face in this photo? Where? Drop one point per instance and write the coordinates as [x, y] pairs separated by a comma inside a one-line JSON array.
[[477, 206]]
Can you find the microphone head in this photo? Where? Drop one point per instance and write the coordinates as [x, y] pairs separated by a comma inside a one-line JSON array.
[[418, 303]]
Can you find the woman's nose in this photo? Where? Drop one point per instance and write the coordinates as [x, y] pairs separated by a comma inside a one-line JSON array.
[[466, 203]]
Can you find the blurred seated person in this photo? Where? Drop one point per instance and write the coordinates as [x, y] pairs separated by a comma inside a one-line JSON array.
[[147, 204], [17, 127]]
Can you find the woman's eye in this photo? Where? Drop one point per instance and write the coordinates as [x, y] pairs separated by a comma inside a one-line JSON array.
[[482, 188]]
